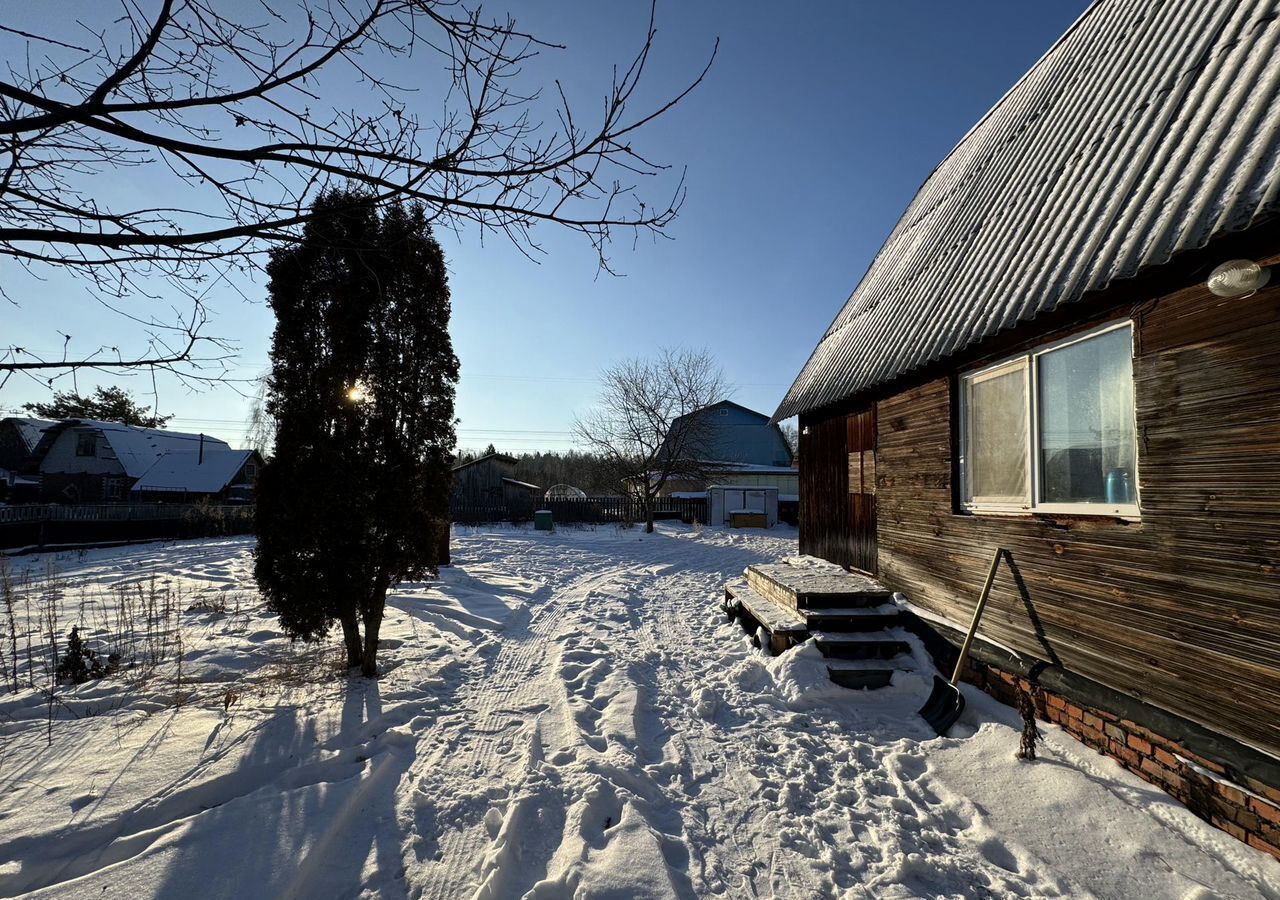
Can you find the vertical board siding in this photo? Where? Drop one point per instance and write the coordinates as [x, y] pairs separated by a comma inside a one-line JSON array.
[[824, 489], [837, 508], [860, 429], [1180, 609]]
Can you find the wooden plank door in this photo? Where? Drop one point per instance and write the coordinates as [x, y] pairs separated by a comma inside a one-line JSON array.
[[860, 428]]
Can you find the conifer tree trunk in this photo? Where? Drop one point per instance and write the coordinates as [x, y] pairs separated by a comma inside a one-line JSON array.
[[351, 639], [372, 625]]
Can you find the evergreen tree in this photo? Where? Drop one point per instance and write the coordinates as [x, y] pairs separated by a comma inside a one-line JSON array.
[[109, 404], [362, 393]]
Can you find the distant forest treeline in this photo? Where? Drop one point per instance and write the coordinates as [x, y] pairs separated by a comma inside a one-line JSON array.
[[585, 471]]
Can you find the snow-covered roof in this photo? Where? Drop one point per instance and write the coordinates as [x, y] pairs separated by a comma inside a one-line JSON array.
[[1150, 129], [182, 470], [138, 449], [522, 484], [30, 430]]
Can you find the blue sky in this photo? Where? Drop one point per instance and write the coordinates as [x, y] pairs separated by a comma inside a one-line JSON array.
[[810, 135]]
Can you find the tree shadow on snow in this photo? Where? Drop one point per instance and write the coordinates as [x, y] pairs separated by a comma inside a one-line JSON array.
[[298, 821]]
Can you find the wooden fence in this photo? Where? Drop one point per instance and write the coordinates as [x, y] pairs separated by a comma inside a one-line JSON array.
[[588, 510], [47, 524]]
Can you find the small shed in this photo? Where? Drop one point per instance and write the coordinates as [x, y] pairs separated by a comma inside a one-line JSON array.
[[490, 479], [724, 501]]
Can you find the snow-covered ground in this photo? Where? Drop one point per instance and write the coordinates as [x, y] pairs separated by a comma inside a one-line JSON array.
[[564, 715]]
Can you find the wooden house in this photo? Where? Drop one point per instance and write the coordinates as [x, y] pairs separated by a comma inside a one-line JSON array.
[[85, 461], [19, 438], [490, 480], [1049, 356]]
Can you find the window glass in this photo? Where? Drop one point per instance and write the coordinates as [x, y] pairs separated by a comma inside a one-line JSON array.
[[86, 444], [1088, 449], [996, 452]]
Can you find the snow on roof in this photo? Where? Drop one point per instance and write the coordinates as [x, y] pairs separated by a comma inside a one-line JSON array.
[[30, 430], [1150, 129], [523, 484], [182, 470], [138, 449]]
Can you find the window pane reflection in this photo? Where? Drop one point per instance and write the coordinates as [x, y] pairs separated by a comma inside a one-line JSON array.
[[1087, 444]]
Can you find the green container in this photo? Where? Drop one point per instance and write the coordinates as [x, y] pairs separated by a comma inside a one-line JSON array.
[[542, 520]]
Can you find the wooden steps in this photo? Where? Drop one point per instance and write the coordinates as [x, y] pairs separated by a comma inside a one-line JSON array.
[[785, 627], [815, 586], [847, 614], [838, 645], [861, 678], [854, 620]]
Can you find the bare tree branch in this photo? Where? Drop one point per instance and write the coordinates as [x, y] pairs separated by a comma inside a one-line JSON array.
[[222, 110], [651, 425], [198, 82]]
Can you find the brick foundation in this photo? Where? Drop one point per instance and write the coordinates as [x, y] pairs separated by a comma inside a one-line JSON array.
[[1251, 815]]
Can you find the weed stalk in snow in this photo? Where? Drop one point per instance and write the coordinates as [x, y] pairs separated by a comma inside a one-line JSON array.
[[7, 592]]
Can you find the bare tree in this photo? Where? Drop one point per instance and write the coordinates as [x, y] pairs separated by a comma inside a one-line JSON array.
[[650, 424], [225, 110], [259, 425]]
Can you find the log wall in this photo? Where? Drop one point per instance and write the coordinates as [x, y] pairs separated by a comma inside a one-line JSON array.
[[1180, 609]]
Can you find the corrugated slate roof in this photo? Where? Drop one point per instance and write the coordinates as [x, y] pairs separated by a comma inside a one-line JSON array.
[[193, 472], [135, 448], [1151, 127], [138, 449]]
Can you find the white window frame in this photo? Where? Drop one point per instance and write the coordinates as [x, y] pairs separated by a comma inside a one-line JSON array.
[[992, 504], [1029, 363]]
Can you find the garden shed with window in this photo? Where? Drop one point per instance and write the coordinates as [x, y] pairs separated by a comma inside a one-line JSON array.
[[1068, 348]]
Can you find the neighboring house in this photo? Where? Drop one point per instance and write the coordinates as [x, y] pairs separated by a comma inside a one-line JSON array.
[[85, 461], [739, 447], [187, 475], [785, 478], [490, 479], [1035, 362], [19, 438]]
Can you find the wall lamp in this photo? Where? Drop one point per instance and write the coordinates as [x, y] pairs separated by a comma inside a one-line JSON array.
[[1238, 278]]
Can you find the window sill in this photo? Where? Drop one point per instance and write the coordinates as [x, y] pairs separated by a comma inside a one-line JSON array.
[[1122, 515]]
